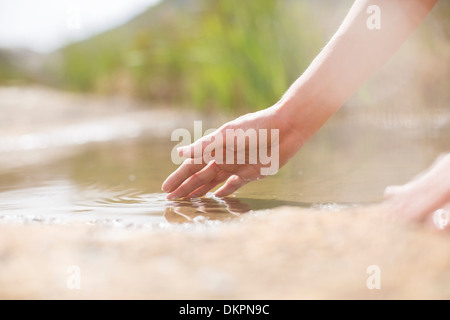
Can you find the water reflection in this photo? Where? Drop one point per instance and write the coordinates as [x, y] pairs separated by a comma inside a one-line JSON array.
[[190, 210], [62, 201], [219, 209], [119, 180]]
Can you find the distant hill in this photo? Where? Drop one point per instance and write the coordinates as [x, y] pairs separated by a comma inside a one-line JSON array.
[[223, 53], [226, 54], [26, 65], [20, 64]]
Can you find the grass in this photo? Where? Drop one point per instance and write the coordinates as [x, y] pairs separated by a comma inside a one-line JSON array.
[[226, 54]]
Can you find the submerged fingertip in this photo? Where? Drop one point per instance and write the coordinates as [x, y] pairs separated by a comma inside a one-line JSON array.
[[170, 197], [218, 194], [168, 189]]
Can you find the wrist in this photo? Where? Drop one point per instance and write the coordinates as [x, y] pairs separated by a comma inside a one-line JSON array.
[[304, 111]]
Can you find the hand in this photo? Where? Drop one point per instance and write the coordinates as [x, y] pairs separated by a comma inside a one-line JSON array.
[[420, 199], [197, 175]]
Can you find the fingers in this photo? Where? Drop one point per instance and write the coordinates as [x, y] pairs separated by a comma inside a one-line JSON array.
[[195, 181], [247, 174], [241, 178], [391, 191], [187, 169], [233, 183], [200, 192], [195, 150]]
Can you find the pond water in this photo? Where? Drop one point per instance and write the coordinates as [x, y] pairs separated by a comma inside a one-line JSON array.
[[118, 181]]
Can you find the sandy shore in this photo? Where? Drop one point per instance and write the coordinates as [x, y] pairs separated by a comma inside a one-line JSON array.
[[285, 253]]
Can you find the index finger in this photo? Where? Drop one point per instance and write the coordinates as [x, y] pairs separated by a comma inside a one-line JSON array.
[[184, 171]]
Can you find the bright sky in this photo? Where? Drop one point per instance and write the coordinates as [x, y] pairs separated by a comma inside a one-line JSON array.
[[45, 25]]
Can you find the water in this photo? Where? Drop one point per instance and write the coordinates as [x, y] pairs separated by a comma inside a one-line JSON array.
[[114, 183], [115, 178]]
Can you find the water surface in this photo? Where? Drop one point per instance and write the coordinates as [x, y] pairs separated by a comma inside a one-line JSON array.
[[117, 181]]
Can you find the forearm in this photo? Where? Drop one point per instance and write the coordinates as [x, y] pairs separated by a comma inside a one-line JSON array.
[[353, 54]]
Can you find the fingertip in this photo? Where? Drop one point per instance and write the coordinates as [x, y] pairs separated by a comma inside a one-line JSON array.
[[223, 191], [169, 184], [180, 151], [184, 151], [390, 191], [165, 187], [171, 197], [220, 193]]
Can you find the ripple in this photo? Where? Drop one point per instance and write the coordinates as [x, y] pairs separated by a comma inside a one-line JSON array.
[[63, 202]]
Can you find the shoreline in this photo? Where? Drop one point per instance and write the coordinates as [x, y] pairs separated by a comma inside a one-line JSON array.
[[278, 253], [281, 253]]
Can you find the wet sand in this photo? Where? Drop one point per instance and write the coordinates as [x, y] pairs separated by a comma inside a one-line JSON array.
[[284, 253]]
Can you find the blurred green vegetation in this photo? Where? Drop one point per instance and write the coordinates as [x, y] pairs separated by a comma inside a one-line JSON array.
[[17, 66], [7, 71], [226, 55], [222, 54]]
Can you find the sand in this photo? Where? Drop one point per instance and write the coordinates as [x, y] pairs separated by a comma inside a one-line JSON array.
[[283, 253]]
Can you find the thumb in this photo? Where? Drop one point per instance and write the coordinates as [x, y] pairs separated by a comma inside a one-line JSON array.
[[195, 150]]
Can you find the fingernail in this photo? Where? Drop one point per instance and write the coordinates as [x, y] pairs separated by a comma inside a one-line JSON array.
[[181, 150]]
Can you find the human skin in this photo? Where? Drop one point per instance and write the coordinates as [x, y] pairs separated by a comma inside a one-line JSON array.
[[351, 56], [416, 200]]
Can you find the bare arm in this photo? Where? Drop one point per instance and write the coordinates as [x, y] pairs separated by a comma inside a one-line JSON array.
[[353, 54]]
